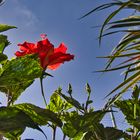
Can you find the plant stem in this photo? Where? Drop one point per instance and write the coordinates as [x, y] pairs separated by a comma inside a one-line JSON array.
[[134, 128], [42, 90], [86, 108], [8, 98], [54, 132], [113, 119], [64, 136]]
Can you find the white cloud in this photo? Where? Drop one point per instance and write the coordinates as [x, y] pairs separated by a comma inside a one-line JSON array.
[[23, 14]]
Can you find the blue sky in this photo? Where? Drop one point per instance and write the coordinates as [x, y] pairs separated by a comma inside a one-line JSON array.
[[59, 20]]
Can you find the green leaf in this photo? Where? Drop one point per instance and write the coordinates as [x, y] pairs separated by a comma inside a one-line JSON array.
[[132, 79], [9, 119], [101, 7], [70, 100], [127, 108], [20, 69], [128, 19], [121, 67], [39, 115], [117, 96], [127, 22], [5, 27], [79, 136], [18, 74], [14, 134], [3, 43], [57, 104], [72, 123], [3, 57], [14, 91], [111, 16], [124, 25], [76, 124]]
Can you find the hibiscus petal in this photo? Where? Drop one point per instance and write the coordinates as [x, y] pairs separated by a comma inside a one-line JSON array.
[[54, 67], [62, 48], [49, 56], [57, 59], [27, 46], [44, 42], [45, 49], [18, 53]]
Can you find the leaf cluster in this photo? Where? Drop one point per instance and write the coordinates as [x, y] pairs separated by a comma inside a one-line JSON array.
[[80, 121]]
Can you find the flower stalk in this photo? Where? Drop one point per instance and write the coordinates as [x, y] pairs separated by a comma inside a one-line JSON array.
[[42, 90], [54, 133]]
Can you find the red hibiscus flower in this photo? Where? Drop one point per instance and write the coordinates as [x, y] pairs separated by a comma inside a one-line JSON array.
[[49, 56]]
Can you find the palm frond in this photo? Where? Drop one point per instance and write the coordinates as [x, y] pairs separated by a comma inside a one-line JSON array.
[[127, 51]]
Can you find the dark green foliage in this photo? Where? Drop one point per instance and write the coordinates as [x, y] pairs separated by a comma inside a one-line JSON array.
[[3, 43], [14, 121], [76, 124], [3, 57], [9, 119], [105, 133]]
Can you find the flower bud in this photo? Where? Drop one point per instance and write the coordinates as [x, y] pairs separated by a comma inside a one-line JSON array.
[[70, 89], [88, 89]]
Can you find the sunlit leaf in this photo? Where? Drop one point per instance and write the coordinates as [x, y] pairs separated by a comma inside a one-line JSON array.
[[39, 115], [5, 27], [57, 104], [19, 70], [76, 124], [70, 100], [14, 134], [18, 74]]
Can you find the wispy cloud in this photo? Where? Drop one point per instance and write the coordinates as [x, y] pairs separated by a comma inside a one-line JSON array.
[[23, 14]]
